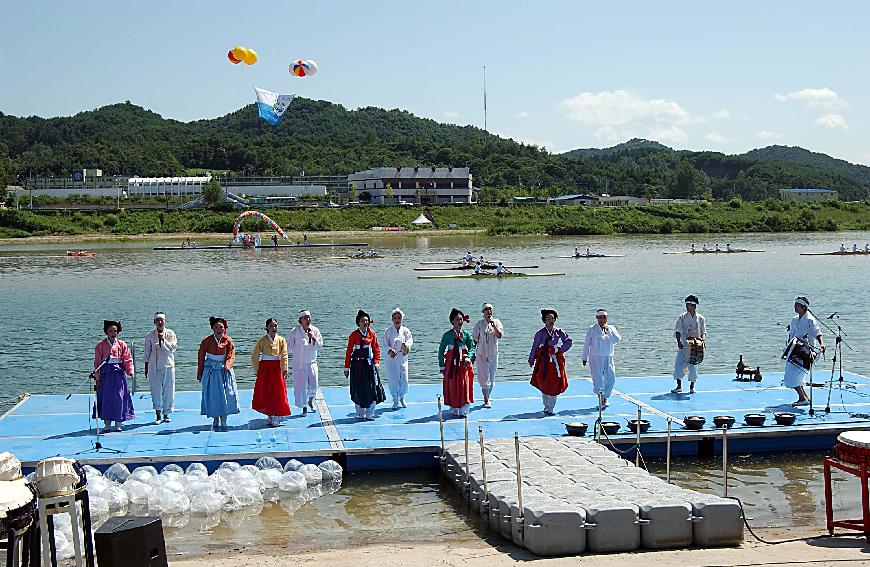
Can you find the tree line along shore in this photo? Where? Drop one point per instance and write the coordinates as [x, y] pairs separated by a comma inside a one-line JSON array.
[[733, 216]]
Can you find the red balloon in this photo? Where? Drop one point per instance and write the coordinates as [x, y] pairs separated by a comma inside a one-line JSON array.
[[232, 59]]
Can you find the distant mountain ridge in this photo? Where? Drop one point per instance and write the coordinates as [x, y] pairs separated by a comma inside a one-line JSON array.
[[320, 137], [630, 145], [776, 153], [801, 156]]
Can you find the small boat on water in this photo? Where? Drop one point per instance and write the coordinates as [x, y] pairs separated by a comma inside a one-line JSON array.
[[720, 251], [80, 254], [587, 256], [363, 257], [492, 263], [837, 253], [469, 267], [491, 276]]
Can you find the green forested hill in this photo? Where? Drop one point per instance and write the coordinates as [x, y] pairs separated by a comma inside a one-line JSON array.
[[795, 154], [320, 137], [633, 144]]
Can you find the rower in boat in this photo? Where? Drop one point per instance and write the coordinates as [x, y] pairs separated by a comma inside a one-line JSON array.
[[705, 248], [479, 271], [358, 254], [693, 246], [576, 252], [855, 247], [468, 256], [867, 248], [464, 263], [500, 269], [842, 247], [728, 247], [717, 248]]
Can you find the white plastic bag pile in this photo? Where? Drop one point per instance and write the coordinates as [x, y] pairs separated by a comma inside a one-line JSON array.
[[176, 493]]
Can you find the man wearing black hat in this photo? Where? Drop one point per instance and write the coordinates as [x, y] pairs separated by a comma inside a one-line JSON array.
[[690, 325]]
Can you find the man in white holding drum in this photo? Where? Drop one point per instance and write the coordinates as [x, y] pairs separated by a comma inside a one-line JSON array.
[[689, 328], [805, 329]]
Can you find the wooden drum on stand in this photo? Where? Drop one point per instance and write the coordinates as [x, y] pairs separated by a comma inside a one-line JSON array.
[[854, 447]]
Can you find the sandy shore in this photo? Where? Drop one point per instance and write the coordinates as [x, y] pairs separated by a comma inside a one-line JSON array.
[[313, 237], [829, 551]]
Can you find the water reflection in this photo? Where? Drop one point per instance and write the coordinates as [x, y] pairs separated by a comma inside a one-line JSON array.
[[779, 490], [404, 506]]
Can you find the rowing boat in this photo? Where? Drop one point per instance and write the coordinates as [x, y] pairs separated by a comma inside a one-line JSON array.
[[732, 251], [455, 262], [360, 257], [838, 253], [490, 276], [265, 246], [485, 266], [594, 256]]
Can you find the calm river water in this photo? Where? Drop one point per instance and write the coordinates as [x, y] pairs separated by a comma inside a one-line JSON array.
[[54, 307]]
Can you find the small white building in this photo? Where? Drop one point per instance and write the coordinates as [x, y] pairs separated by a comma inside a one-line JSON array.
[[433, 185], [160, 186], [807, 194]]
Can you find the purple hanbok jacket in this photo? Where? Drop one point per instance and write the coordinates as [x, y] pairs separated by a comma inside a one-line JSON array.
[[560, 340]]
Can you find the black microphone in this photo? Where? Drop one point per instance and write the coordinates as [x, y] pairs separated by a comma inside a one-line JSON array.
[[832, 315]]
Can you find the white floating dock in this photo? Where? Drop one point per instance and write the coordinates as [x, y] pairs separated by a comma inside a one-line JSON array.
[[580, 497]]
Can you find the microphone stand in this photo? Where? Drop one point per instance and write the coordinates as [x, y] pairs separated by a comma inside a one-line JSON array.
[[98, 446], [838, 353]]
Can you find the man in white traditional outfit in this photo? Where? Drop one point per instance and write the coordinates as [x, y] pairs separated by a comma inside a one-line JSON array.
[[598, 352], [806, 329], [397, 340], [160, 345], [303, 344], [486, 334], [690, 325]]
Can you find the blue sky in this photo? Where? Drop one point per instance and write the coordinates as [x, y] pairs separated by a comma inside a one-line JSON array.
[[730, 77]]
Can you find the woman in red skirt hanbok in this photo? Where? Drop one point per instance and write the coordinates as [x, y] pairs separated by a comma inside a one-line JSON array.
[[547, 360], [269, 360], [455, 357]]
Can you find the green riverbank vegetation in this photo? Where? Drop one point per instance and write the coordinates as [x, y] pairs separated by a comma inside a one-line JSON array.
[[732, 216]]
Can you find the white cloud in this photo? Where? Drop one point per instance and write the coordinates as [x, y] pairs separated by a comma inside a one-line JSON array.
[[450, 115], [832, 120], [615, 108], [670, 135], [522, 114], [721, 114], [610, 135], [717, 138], [823, 97], [768, 136]]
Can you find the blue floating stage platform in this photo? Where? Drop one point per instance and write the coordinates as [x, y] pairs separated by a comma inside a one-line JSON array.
[[42, 426]]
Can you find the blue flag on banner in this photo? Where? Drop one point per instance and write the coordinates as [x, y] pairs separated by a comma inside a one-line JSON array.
[[272, 106]]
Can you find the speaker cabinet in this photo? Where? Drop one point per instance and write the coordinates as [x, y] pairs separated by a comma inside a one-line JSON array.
[[131, 541]]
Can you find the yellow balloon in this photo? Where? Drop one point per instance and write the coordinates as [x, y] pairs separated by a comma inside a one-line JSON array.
[[250, 57], [239, 52]]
